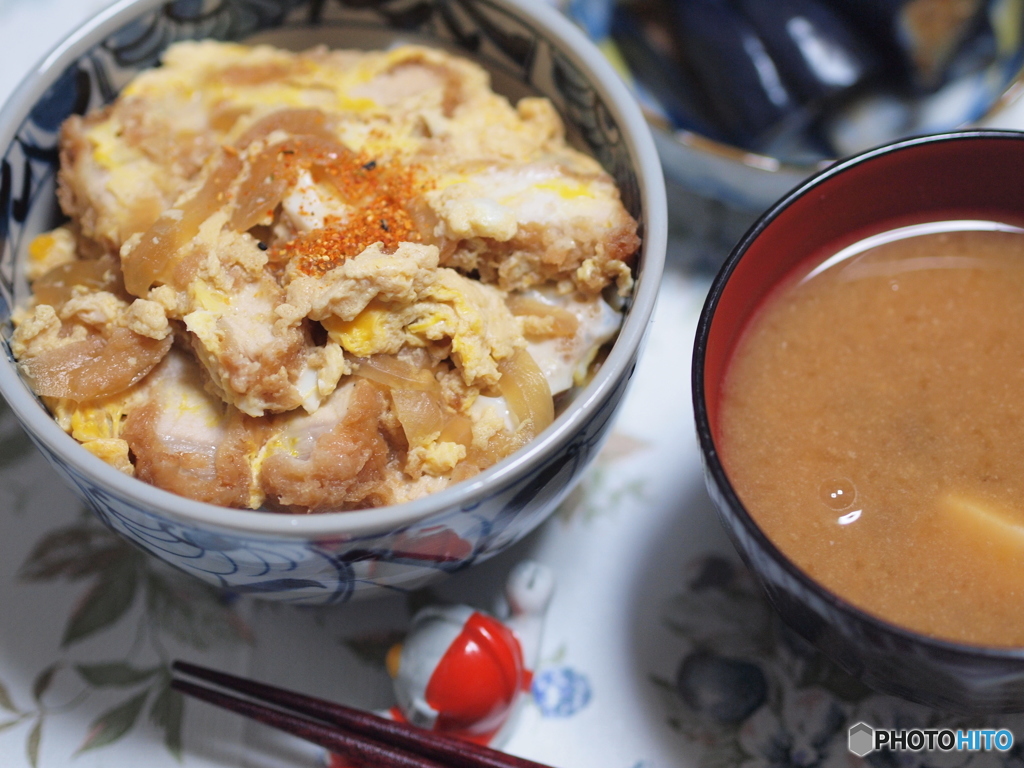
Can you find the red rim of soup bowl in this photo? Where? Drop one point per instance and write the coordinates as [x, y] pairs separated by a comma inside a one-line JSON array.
[[970, 174]]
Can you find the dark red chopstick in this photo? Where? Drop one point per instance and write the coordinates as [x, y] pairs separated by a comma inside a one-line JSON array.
[[365, 752], [442, 749]]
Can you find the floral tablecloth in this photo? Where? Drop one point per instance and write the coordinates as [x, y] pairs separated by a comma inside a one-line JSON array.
[[648, 586]]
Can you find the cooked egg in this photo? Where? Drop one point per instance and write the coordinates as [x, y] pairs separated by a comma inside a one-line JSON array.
[[334, 239]]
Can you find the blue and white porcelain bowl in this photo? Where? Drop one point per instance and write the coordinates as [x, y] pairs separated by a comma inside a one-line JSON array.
[[333, 557]]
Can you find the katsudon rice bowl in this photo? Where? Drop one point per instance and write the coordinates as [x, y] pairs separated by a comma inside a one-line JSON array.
[[320, 306]]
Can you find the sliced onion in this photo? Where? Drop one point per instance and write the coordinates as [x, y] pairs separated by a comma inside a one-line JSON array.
[[95, 367], [458, 429], [155, 256], [464, 470], [565, 323], [223, 116], [421, 414], [274, 170], [310, 122], [321, 150], [269, 178], [140, 215], [56, 286], [526, 391], [395, 373], [501, 445], [498, 447]]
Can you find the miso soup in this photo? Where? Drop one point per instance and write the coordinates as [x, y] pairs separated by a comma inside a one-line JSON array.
[[872, 422]]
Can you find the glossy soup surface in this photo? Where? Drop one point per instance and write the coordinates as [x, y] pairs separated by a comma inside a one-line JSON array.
[[872, 422]]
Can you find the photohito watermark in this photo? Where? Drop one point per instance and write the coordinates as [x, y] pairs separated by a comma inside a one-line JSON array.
[[864, 739]]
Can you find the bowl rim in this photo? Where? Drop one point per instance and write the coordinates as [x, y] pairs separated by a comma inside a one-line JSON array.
[[709, 453], [578, 49]]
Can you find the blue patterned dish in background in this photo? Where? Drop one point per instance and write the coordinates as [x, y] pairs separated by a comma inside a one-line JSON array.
[[332, 557], [710, 168]]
